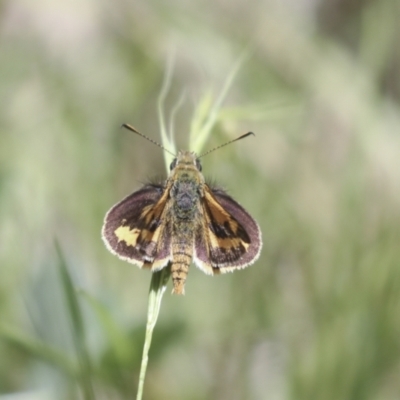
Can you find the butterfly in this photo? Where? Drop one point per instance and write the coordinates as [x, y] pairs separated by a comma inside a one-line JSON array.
[[182, 220]]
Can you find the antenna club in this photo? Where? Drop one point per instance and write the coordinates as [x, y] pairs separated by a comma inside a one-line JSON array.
[[132, 129], [231, 141], [246, 134]]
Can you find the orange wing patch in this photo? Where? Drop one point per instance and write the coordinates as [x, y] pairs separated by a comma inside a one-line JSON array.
[[225, 239], [225, 231]]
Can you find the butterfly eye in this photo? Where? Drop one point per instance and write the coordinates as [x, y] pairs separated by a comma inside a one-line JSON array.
[[198, 165], [173, 165]]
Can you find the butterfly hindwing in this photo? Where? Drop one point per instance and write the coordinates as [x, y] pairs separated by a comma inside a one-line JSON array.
[[222, 244], [133, 230]]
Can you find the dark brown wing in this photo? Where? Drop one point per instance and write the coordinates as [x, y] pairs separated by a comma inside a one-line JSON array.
[[229, 238], [135, 230]]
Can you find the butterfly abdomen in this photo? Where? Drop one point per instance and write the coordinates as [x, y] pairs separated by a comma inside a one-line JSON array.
[[181, 259], [182, 253]]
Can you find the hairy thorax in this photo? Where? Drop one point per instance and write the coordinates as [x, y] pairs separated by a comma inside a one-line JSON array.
[[186, 195]]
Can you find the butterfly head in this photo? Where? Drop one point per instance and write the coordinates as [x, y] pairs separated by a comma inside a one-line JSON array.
[[186, 160]]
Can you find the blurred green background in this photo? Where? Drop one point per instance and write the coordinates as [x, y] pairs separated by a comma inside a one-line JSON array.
[[318, 316]]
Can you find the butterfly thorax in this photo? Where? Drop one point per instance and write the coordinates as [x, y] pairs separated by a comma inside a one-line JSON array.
[[187, 184]]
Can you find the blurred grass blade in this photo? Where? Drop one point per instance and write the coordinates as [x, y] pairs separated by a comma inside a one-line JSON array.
[[206, 114], [201, 113], [166, 138], [116, 337], [159, 279], [78, 332], [158, 285], [174, 111], [40, 350]]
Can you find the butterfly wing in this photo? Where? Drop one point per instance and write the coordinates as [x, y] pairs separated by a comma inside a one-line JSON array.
[[229, 238], [136, 231]]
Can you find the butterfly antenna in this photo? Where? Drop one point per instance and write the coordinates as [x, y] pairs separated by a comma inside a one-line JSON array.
[[225, 144], [131, 128]]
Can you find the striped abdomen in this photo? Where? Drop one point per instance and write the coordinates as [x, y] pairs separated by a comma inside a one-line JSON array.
[[181, 259]]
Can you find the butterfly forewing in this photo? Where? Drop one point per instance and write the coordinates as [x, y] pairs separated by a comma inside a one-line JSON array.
[[133, 230], [229, 238]]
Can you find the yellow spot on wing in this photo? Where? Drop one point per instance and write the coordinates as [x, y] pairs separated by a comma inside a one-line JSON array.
[[123, 233]]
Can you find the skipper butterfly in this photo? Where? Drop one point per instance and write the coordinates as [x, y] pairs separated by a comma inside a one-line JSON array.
[[182, 220]]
